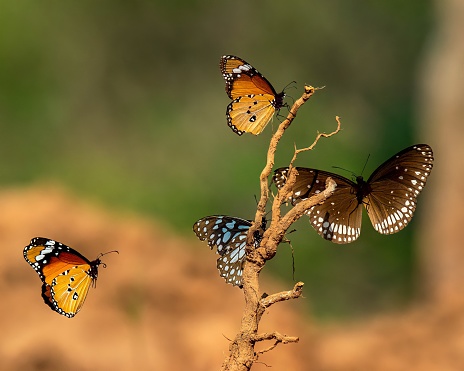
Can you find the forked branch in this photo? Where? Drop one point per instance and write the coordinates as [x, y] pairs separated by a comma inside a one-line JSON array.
[[241, 351], [279, 339], [264, 197]]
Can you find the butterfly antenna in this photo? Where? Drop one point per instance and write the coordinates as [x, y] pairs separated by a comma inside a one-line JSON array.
[[106, 253], [291, 87], [369, 155], [341, 168]]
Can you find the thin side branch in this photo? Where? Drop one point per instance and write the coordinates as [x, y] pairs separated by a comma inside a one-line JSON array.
[[241, 350], [280, 227], [285, 191], [279, 339], [264, 197], [300, 209], [318, 137], [282, 296]]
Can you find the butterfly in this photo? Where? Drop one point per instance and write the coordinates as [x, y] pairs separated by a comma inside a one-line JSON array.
[[254, 99], [66, 275], [389, 195], [228, 234]]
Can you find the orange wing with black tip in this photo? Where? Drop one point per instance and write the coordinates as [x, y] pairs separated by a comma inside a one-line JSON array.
[[65, 273], [254, 98]]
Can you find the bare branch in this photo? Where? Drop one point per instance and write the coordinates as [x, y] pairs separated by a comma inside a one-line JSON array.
[[279, 339], [282, 296], [285, 191], [318, 137], [275, 233], [261, 209], [242, 354], [300, 209]]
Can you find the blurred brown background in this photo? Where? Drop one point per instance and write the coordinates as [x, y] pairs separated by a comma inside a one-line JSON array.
[[113, 136]]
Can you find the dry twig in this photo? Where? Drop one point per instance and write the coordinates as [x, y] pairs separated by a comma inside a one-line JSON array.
[[241, 351]]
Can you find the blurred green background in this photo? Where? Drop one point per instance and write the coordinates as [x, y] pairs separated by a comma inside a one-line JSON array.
[[123, 103]]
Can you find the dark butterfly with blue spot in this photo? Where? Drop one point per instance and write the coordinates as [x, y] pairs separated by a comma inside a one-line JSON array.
[[389, 195], [228, 235], [254, 99]]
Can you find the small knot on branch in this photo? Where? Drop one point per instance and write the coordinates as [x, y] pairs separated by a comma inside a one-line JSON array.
[[308, 89]]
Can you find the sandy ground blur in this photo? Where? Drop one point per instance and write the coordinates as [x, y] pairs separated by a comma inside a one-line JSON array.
[[161, 305]]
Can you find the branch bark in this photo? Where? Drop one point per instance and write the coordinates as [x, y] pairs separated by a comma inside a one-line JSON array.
[[242, 353]]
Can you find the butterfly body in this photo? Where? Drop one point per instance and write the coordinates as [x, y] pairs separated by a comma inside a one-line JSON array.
[[254, 99], [389, 195], [228, 235], [66, 274]]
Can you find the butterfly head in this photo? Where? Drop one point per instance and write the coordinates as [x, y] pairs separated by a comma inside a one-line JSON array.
[[98, 260], [93, 272], [360, 180]]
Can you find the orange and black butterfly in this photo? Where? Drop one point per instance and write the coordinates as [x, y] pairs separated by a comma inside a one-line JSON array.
[[66, 274], [254, 98]]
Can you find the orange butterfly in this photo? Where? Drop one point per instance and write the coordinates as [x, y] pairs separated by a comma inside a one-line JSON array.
[[254, 98], [66, 274]]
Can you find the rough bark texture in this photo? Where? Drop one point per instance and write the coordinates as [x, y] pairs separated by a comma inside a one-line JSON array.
[[242, 352]]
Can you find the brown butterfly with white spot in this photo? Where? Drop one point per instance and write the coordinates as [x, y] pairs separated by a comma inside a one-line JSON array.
[[389, 195]]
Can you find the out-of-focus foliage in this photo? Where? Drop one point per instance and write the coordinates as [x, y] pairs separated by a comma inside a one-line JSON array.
[[123, 102]]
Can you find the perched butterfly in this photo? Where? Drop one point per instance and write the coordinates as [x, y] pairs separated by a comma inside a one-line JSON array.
[[389, 195], [254, 98], [66, 274], [228, 235]]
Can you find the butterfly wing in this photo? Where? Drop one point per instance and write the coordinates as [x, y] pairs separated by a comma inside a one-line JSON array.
[[338, 219], [389, 195], [50, 258], [228, 235], [250, 113], [230, 264], [394, 187], [222, 232], [69, 290], [65, 273], [242, 78], [47, 295], [254, 98]]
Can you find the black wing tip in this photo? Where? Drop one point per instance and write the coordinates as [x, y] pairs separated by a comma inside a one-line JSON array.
[[39, 240]]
